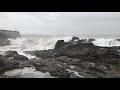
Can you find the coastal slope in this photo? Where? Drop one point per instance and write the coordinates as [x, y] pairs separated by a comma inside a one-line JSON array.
[[7, 34]]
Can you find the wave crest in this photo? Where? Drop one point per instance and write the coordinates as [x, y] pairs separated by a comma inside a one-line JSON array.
[[106, 42]]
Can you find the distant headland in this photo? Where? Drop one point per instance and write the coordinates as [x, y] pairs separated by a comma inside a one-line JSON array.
[[5, 34]]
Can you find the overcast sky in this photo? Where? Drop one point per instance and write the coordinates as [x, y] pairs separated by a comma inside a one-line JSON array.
[[61, 22]]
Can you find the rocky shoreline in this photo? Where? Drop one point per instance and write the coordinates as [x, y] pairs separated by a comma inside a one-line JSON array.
[[74, 59]]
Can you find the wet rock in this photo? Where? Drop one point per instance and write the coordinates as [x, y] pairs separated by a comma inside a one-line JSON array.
[[69, 61], [60, 43], [13, 55], [90, 40], [82, 41], [75, 39], [51, 66], [107, 53], [44, 54], [82, 51], [118, 39], [96, 70], [8, 65], [12, 60]]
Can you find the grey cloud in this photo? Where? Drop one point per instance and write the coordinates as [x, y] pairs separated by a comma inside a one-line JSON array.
[[61, 22]]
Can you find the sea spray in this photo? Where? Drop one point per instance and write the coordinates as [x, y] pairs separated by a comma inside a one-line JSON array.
[[41, 43], [32, 44], [106, 42]]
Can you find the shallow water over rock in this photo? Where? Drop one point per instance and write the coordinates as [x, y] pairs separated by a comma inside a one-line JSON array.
[[27, 73]]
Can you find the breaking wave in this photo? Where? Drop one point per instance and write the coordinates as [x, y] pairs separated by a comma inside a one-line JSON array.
[[31, 44], [35, 43], [106, 42]]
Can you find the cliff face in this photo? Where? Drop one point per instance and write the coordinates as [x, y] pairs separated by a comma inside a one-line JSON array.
[[5, 34], [10, 34]]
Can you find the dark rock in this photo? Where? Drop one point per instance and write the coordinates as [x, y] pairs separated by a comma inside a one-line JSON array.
[[96, 70], [1, 63], [118, 39], [16, 62], [80, 51], [21, 58], [10, 34], [60, 43], [13, 55], [44, 54], [75, 39], [69, 61], [55, 68], [107, 53], [6, 34], [8, 65], [3, 36], [90, 40], [82, 41]]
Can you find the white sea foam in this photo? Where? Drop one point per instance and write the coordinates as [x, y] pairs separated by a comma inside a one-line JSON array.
[[41, 43], [106, 42], [31, 44]]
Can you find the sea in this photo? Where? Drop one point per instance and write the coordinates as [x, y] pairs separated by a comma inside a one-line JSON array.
[[45, 42]]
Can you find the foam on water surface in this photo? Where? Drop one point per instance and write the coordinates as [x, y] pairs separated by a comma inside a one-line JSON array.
[[28, 73], [36, 43], [106, 42], [31, 44]]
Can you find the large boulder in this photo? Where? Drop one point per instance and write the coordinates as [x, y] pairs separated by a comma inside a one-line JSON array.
[[74, 39], [55, 68], [60, 43], [7, 65], [80, 51], [44, 54], [90, 40], [13, 55], [1, 61], [118, 39], [77, 40], [12, 60]]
